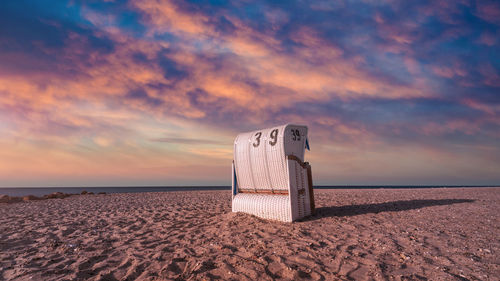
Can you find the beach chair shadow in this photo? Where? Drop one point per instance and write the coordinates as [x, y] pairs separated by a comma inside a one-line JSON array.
[[394, 206]]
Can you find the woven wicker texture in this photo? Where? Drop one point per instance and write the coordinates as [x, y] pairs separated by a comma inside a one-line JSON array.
[[261, 164], [298, 181], [274, 207]]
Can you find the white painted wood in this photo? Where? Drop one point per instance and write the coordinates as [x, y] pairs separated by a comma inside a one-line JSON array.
[[261, 165]]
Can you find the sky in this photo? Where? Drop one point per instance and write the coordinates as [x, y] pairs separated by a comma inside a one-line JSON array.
[[153, 92]]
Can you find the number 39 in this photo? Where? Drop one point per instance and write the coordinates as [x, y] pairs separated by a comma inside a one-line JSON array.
[[295, 135], [273, 135]]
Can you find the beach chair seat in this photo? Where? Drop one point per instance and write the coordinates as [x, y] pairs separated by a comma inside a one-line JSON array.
[[270, 178]]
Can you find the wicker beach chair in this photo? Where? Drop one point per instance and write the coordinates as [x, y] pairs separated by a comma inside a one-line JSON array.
[[270, 178]]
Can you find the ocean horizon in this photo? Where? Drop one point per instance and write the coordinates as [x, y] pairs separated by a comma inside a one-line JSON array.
[[40, 191]]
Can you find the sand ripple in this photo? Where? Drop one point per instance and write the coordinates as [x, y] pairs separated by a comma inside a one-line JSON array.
[[427, 234]]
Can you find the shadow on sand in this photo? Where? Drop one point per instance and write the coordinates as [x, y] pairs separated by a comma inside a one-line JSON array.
[[395, 206]]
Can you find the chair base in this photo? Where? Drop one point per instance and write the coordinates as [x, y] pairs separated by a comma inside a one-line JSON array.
[[273, 207]]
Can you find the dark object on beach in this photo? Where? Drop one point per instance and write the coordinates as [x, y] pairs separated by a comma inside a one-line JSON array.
[[30, 198], [10, 199], [84, 192], [102, 192], [15, 199], [59, 195], [90, 193]]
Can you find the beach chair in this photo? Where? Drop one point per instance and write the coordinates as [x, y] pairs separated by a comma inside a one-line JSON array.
[[270, 178]]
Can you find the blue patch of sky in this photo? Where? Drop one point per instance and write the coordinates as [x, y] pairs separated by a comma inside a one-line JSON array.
[[380, 110], [210, 3], [171, 70], [166, 37], [126, 18], [49, 8], [142, 95], [388, 66], [45, 23], [131, 21]]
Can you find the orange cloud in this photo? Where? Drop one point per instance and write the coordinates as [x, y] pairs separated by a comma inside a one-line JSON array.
[[96, 113], [166, 16]]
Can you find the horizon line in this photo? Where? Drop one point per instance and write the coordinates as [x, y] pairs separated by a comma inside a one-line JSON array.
[[229, 186]]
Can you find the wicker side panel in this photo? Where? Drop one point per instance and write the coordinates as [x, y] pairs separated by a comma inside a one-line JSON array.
[[234, 187], [310, 190], [295, 140], [305, 198], [274, 207], [292, 189], [299, 193]]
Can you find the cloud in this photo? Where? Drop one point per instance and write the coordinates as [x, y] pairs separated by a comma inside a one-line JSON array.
[[188, 141], [489, 11], [132, 80]]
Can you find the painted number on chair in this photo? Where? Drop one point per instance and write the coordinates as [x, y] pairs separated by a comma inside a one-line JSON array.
[[273, 138], [257, 139], [295, 135]]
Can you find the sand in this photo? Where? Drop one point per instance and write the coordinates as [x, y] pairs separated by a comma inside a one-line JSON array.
[[382, 234]]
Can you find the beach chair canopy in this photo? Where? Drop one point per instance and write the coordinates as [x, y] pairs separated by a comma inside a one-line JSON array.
[[270, 178]]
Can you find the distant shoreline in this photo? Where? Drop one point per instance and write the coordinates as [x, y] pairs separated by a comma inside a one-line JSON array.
[[40, 191]]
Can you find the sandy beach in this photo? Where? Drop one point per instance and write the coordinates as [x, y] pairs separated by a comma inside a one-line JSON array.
[[379, 234]]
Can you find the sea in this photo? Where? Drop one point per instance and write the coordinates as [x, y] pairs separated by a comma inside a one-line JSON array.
[[40, 191]]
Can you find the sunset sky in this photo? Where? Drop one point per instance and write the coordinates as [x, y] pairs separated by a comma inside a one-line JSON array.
[[146, 92]]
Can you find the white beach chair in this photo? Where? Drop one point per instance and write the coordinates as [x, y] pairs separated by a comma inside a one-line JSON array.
[[270, 178]]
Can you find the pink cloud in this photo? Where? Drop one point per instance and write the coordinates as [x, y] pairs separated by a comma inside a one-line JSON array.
[[491, 76], [85, 119], [488, 11], [449, 71], [488, 39], [490, 109]]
